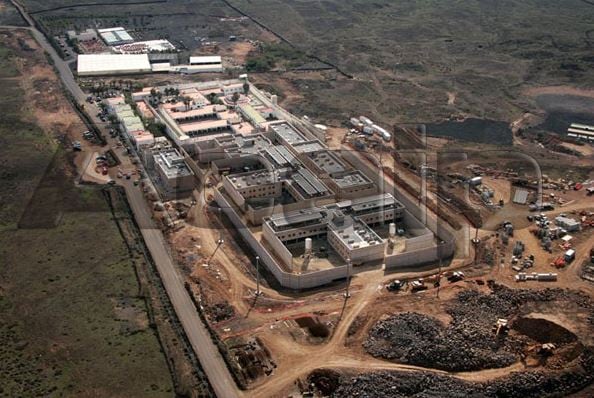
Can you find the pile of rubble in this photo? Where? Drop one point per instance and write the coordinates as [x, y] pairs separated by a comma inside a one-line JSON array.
[[422, 341], [468, 343], [529, 384]]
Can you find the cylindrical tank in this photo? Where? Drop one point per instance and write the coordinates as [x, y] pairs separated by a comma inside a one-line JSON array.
[[382, 132], [308, 245], [354, 121], [392, 230], [365, 120]]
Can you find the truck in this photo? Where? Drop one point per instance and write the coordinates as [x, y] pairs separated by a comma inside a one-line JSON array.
[[456, 276], [569, 256], [395, 285], [418, 285]]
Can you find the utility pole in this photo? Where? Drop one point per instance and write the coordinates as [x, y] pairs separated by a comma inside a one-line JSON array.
[[258, 292], [347, 294], [220, 241], [476, 245], [439, 251]]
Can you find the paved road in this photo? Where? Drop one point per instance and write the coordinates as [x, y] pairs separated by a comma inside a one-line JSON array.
[[208, 354]]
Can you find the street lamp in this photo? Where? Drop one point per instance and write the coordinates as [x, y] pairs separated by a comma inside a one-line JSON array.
[[439, 254], [258, 292], [220, 241], [347, 294]]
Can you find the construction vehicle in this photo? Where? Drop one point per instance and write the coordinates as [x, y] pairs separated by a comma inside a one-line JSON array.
[[418, 285], [501, 327], [559, 262], [569, 255], [546, 349], [395, 285], [456, 276]]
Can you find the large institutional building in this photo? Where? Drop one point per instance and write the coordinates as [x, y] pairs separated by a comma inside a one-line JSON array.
[[310, 213]]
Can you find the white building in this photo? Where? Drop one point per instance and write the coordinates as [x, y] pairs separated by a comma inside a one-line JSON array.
[[191, 69], [112, 64], [206, 60], [115, 36], [174, 173], [87, 35], [143, 47]]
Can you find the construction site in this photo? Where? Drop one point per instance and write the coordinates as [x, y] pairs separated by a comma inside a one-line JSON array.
[[355, 251], [326, 262]]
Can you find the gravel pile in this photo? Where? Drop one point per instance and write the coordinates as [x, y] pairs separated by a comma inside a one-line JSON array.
[[468, 343], [535, 384]]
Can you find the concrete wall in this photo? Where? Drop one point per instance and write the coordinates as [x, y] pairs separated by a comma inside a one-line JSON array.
[[438, 227], [419, 242], [279, 248], [288, 280], [411, 257]]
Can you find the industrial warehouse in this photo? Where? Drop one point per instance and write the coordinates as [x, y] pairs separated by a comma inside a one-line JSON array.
[[313, 215], [118, 54]]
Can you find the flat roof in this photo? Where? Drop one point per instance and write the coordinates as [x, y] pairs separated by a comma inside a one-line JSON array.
[[588, 133], [251, 113], [172, 163], [520, 196], [287, 133], [206, 59], [566, 221], [197, 69], [203, 125], [296, 217], [327, 161], [353, 233], [110, 29], [276, 156], [256, 178], [112, 63], [309, 146], [582, 126], [351, 179], [309, 183], [205, 111], [374, 202], [139, 47], [252, 144]]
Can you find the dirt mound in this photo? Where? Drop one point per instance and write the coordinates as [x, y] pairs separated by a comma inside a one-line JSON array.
[[419, 340], [325, 381], [468, 343], [543, 331], [534, 384]]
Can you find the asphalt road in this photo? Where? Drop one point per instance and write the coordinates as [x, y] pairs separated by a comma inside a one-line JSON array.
[[213, 364]]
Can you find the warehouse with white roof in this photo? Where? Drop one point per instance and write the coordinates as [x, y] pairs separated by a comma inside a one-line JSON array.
[[206, 60], [115, 36], [112, 64]]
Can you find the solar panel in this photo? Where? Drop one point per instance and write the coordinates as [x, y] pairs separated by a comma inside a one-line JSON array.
[[285, 153], [313, 180], [306, 186], [276, 156]]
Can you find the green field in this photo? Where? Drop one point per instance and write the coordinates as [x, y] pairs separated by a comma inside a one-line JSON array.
[[73, 321]]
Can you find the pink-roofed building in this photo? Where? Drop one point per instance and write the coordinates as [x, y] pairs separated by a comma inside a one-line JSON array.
[[112, 102], [144, 110], [142, 138]]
